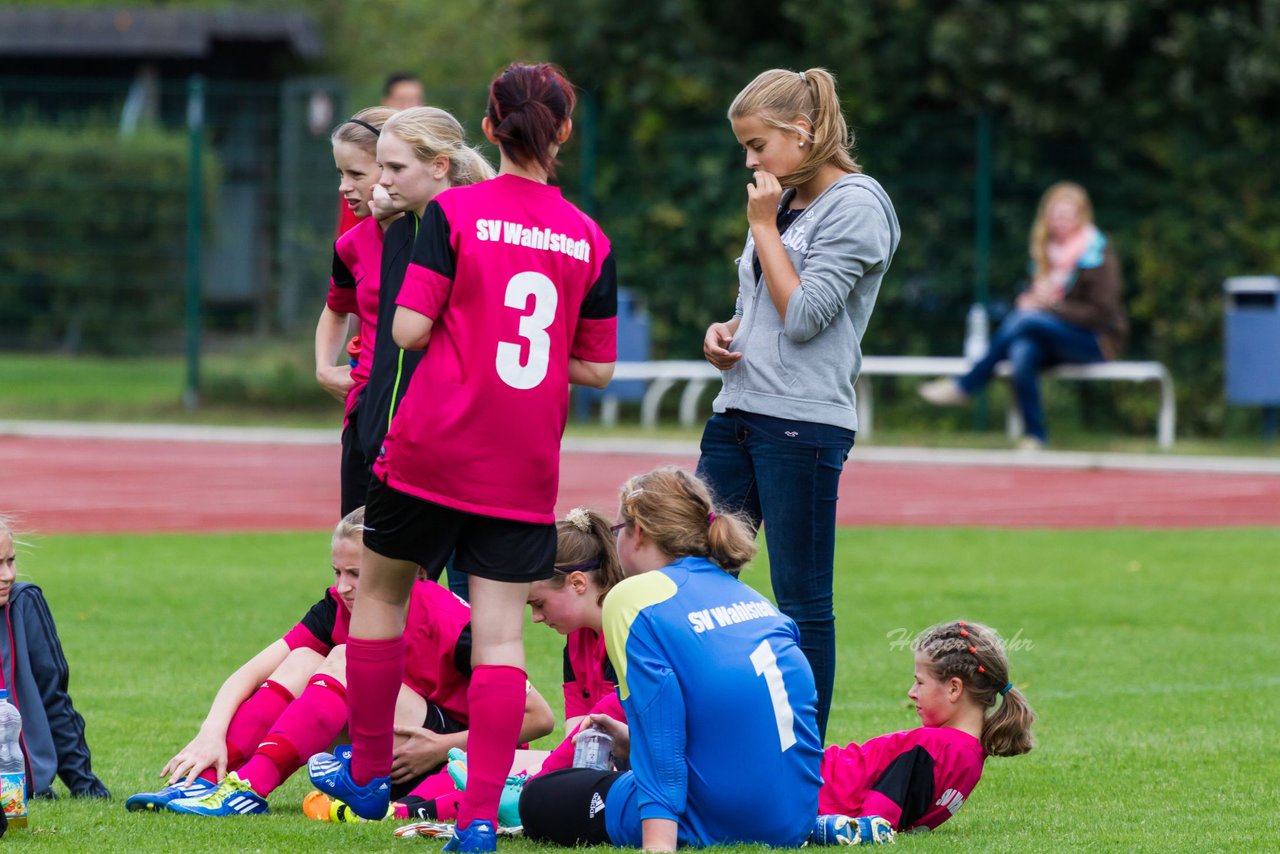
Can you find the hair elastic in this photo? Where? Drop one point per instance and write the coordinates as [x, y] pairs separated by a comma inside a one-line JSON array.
[[711, 517], [803, 79], [580, 519], [363, 124], [1005, 689], [579, 567]]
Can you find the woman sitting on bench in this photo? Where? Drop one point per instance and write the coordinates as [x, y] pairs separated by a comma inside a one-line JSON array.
[[1070, 314]]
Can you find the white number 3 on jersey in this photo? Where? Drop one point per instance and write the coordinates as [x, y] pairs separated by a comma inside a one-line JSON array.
[[533, 329]]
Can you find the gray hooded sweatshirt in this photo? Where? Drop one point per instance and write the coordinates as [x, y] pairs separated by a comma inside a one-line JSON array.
[[804, 369]]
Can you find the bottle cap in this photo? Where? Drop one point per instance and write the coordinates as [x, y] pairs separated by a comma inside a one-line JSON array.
[[4, 693]]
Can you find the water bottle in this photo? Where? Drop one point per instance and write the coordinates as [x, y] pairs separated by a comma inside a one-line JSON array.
[[593, 749], [13, 767], [353, 350], [976, 339]]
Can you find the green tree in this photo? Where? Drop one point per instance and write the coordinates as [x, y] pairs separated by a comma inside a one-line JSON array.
[[1157, 107]]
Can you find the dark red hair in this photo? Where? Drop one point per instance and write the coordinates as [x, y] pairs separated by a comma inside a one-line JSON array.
[[527, 106]]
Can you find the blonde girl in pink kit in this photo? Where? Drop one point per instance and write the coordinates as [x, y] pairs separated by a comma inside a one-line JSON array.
[[515, 289]]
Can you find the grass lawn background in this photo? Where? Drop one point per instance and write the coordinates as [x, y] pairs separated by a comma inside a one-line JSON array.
[[1149, 656]]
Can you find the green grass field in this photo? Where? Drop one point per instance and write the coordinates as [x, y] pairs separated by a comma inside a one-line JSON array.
[[1149, 657]]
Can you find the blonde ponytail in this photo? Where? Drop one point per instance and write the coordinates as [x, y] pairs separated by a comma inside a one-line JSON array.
[[675, 510], [782, 98]]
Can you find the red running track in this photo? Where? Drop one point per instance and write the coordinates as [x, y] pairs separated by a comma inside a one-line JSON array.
[[58, 485]]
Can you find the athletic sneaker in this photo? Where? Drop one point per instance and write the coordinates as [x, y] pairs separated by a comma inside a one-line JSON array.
[[433, 829], [457, 767], [847, 830], [197, 788], [476, 838], [321, 807], [943, 392], [232, 797], [332, 775], [509, 802]]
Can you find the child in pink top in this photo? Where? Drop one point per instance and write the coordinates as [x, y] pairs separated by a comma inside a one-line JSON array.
[[253, 740], [353, 289], [920, 778]]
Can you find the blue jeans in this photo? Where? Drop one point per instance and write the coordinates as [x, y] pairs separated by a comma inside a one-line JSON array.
[[1033, 341], [755, 465]]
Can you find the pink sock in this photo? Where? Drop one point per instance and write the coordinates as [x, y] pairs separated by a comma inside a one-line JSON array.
[[252, 721], [447, 806], [308, 726], [374, 670], [435, 785], [562, 756], [495, 700]]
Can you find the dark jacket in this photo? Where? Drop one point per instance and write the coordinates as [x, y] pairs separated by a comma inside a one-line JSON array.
[[1093, 301], [35, 671]]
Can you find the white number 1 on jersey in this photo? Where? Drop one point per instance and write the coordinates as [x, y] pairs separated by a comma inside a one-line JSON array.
[[533, 328], [766, 664]]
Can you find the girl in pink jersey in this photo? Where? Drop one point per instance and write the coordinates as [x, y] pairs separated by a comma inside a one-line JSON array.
[[299, 706], [360, 256], [353, 288], [515, 289], [587, 568], [919, 778]]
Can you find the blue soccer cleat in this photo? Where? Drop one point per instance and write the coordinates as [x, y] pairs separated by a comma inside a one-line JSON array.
[[847, 830], [332, 775], [197, 788], [476, 838], [232, 797]]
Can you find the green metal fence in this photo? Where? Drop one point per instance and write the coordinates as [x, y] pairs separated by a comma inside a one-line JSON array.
[[105, 204]]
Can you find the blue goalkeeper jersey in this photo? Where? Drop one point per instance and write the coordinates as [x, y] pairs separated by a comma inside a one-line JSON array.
[[722, 709]]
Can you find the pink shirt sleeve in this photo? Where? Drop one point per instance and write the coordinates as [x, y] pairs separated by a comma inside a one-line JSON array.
[[300, 636], [425, 291]]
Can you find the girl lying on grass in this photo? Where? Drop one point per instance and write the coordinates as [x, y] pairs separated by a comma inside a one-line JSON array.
[[919, 778]]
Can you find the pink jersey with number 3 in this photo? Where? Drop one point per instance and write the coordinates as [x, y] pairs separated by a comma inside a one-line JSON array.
[[517, 280]]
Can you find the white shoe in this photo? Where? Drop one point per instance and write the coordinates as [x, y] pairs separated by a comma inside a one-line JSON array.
[[1030, 443], [943, 392]]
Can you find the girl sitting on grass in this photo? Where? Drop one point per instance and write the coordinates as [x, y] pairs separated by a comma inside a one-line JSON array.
[[34, 670], [289, 700]]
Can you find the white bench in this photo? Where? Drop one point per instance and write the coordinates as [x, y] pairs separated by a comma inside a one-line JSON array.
[[698, 374], [954, 366], [662, 377]]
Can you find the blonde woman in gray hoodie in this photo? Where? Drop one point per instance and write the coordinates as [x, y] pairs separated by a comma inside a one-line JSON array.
[[821, 236]]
